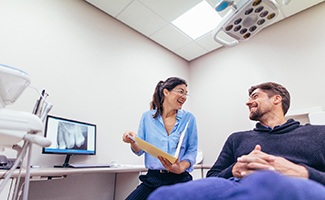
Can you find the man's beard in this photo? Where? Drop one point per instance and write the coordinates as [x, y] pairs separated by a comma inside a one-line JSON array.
[[255, 116]]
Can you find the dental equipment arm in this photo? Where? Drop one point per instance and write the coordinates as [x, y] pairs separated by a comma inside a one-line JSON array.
[[16, 126]]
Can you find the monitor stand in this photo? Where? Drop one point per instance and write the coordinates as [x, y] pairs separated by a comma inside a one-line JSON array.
[[66, 162]]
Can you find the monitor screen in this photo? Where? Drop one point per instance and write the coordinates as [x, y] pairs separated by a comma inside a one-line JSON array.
[[69, 137]]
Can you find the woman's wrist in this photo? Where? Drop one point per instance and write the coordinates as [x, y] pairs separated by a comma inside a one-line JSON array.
[[135, 147]]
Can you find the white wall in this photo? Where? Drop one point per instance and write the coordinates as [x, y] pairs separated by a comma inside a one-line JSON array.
[[290, 52], [94, 68]]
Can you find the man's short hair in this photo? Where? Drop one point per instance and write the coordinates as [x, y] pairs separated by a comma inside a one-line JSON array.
[[271, 89]]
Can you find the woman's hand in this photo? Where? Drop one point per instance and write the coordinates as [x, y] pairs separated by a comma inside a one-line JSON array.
[[177, 167], [126, 137]]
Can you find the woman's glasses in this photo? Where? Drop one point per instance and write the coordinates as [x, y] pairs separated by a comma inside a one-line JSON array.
[[181, 92]]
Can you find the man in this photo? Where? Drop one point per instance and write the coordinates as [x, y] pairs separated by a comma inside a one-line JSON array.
[[279, 159]]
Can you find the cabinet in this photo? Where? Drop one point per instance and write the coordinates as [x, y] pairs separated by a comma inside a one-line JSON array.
[[313, 115]]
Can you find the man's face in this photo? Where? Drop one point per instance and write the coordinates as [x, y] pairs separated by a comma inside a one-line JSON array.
[[259, 105]]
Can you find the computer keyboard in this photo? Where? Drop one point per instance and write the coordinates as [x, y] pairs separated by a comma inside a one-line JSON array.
[[89, 165]]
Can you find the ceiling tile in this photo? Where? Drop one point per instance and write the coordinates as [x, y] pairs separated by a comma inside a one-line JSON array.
[[191, 51], [171, 37], [207, 42], [112, 7], [297, 6], [139, 17]]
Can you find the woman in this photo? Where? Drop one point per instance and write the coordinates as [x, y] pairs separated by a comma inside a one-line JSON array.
[[162, 126]]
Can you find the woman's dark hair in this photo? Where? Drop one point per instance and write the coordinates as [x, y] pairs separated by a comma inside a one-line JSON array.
[[272, 89], [158, 95]]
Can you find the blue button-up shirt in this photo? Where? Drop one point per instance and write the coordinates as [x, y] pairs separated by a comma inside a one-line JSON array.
[[153, 131]]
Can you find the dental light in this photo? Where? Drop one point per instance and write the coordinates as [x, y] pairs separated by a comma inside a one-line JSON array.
[[17, 126], [244, 19], [12, 83]]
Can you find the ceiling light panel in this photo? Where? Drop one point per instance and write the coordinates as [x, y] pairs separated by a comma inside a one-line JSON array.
[[170, 9], [198, 21]]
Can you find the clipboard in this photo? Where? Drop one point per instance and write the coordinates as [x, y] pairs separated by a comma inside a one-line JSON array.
[[152, 150]]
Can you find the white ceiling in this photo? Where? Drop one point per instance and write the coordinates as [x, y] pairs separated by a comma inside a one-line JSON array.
[[153, 18]]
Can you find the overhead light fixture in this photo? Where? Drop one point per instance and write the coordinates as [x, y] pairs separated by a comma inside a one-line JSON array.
[[198, 21], [244, 19]]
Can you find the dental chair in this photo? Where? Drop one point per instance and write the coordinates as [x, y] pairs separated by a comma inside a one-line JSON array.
[[19, 127]]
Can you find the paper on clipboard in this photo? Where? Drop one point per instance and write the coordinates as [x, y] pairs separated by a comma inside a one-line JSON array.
[[152, 150], [181, 140]]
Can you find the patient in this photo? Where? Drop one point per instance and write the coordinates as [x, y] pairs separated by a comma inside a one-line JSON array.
[[279, 159]]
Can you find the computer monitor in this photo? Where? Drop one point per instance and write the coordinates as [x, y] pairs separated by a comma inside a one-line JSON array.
[[69, 137]]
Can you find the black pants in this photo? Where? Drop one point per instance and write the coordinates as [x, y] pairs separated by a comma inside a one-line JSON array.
[[154, 179]]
